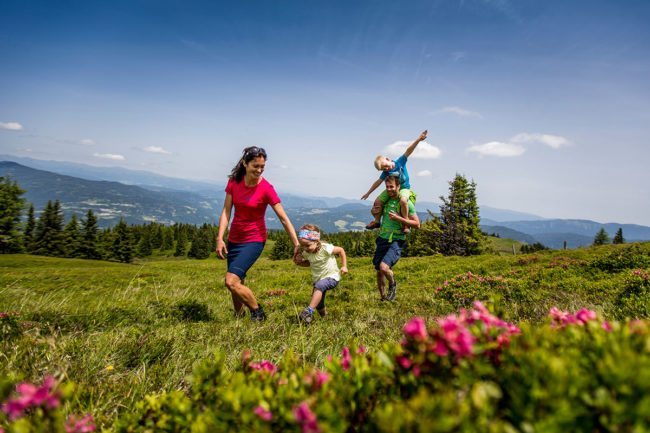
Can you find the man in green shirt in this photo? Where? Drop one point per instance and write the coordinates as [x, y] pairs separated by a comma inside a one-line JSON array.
[[391, 239]]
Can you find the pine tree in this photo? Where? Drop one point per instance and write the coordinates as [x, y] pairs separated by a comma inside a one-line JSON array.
[[89, 237], [601, 237], [30, 227], [618, 237], [282, 248], [156, 239], [200, 248], [11, 206], [144, 244], [49, 231], [181, 244], [122, 248], [459, 216], [426, 240], [167, 239], [72, 238]]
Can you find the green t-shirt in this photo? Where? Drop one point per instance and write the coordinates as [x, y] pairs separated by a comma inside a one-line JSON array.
[[390, 229]]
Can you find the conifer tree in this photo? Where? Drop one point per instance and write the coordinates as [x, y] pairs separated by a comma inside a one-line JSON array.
[[122, 247], [167, 239], [11, 206], [49, 231], [426, 240], [30, 227], [156, 239], [181, 244], [89, 237], [618, 237], [200, 248], [459, 216], [72, 238], [282, 248], [144, 244], [601, 237]]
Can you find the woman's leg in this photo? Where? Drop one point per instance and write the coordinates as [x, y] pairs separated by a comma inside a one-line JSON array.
[[240, 293]]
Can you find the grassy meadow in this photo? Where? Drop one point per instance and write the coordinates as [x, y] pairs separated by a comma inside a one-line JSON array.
[[122, 331]]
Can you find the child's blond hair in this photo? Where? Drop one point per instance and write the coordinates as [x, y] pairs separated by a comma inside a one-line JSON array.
[[378, 162]]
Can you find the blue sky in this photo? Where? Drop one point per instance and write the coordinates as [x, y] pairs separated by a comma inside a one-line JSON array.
[[545, 104]]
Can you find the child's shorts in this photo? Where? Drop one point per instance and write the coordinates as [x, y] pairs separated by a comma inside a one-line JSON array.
[[403, 193]]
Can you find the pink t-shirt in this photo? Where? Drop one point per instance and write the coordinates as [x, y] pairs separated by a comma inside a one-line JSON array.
[[250, 203]]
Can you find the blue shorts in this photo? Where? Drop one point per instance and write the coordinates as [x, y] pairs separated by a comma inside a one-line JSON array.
[[242, 256], [323, 286], [387, 252]]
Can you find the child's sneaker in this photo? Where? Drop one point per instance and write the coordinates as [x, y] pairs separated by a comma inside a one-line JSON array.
[[392, 292], [258, 315], [373, 225], [306, 316], [406, 230]]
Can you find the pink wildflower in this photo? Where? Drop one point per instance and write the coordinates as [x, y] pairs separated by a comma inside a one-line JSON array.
[[31, 396], [404, 362], [264, 365], [306, 418], [361, 349], [456, 337], [416, 329], [607, 326], [80, 425], [585, 315], [264, 414], [320, 377], [346, 359]]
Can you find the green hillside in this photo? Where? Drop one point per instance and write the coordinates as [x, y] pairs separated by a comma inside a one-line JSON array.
[[123, 331]]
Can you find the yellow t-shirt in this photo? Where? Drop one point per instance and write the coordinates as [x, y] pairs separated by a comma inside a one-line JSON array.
[[323, 263]]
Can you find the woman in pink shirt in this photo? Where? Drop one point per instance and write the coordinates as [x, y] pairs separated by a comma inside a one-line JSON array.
[[250, 194]]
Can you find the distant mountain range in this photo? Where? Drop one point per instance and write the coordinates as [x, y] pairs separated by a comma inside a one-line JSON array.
[[140, 196]]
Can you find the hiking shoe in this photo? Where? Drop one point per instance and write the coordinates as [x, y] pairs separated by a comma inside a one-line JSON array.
[[306, 316], [373, 225], [258, 315], [392, 292]]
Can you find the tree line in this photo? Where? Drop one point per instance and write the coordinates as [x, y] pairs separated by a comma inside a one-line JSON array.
[[50, 235]]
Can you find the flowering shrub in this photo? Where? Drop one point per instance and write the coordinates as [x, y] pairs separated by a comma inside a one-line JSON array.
[[634, 299], [625, 258], [470, 371], [35, 408]]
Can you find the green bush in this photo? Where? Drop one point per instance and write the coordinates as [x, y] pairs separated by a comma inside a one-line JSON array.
[[634, 299], [630, 257], [192, 311]]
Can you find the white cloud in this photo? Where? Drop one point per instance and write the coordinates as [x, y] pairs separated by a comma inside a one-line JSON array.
[[460, 112], [424, 173], [156, 149], [423, 151], [87, 141], [112, 156], [458, 55], [12, 126], [554, 141], [497, 148]]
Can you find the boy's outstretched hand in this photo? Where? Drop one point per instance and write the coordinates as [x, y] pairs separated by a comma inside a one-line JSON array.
[[423, 136]]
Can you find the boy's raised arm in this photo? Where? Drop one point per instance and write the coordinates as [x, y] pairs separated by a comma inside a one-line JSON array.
[[372, 188], [409, 150]]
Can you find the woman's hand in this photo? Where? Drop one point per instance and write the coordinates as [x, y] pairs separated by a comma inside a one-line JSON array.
[[221, 249]]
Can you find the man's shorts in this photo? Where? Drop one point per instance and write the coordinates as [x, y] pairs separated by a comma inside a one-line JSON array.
[[387, 252], [242, 256], [403, 193]]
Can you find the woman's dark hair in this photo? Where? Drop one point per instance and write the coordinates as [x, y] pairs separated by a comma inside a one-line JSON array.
[[249, 154]]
